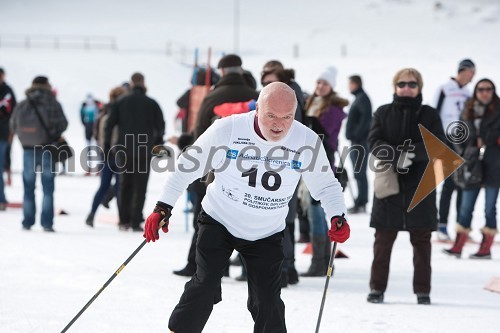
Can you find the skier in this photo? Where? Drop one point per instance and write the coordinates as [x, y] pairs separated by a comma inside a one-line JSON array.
[[259, 158]]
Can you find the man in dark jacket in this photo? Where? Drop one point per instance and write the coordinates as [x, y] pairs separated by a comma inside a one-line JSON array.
[[357, 128], [140, 128], [231, 88], [37, 121], [7, 104]]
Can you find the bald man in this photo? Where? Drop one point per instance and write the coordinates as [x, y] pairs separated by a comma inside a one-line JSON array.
[[258, 159]]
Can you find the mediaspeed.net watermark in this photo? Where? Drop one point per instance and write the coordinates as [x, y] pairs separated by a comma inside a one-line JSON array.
[[137, 156]]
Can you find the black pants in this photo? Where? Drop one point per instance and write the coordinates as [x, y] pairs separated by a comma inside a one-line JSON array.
[[382, 249], [133, 185], [263, 258], [445, 200], [289, 237], [191, 261], [359, 158]]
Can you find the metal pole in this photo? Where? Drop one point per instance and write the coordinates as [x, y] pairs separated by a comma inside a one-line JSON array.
[[115, 274], [328, 276], [236, 41]]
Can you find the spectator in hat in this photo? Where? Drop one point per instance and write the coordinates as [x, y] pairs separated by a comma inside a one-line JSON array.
[[449, 102], [7, 104], [324, 115], [231, 88], [39, 106]]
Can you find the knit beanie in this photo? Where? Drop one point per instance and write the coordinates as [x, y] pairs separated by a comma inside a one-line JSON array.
[[330, 76], [466, 64]]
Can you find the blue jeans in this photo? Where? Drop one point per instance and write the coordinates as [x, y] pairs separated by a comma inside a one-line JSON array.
[[106, 177], [34, 159], [317, 220], [3, 148], [469, 200]]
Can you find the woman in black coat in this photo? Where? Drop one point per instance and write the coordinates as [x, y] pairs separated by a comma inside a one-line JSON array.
[[394, 129], [482, 116]]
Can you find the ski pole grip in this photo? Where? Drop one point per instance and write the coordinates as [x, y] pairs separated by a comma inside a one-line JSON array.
[[340, 222], [165, 220]]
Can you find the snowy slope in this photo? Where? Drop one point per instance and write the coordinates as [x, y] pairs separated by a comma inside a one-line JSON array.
[[46, 279]]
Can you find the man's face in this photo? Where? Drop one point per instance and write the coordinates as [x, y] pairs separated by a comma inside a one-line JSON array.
[[469, 75], [275, 118], [352, 86]]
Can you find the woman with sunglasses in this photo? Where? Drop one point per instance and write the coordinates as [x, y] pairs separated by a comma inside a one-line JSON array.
[[482, 116], [395, 138]]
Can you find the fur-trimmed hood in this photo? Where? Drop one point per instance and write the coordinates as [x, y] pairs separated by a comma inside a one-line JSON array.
[[39, 92]]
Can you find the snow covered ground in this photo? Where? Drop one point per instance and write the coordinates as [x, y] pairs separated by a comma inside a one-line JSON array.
[[45, 279]]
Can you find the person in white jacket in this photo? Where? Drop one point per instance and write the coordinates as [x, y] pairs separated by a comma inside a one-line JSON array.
[[258, 158], [449, 102]]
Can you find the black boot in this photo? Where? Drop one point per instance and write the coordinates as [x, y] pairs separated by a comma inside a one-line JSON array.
[[186, 271], [293, 276], [319, 263], [108, 196], [90, 220], [375, 296], [423, 299]]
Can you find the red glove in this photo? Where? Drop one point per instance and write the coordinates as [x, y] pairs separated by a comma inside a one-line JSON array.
[[161, 212], [339, 231]]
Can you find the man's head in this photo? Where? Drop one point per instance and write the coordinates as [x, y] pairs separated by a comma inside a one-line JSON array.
[[355, 83], [41, 81], [2, 75], [230, 63], [276, 110], [272, 65], [137, 80], [466, 71]]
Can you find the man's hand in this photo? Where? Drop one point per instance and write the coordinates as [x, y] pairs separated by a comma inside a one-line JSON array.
[[161, 212], [339, 231]]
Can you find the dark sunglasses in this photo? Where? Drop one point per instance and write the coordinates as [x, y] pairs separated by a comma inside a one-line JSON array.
[[488, 89], [266, 83], [411, 84]]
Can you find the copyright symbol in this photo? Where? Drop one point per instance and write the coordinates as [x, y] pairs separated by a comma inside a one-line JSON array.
[[457, 132]]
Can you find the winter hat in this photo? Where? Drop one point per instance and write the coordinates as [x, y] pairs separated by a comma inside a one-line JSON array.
[[466, 64], [41, 80], [330, 76], [230, 60]]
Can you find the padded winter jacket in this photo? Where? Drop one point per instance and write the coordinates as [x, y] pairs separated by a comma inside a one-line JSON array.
[[393, 124], [230, 89], [50, 111]]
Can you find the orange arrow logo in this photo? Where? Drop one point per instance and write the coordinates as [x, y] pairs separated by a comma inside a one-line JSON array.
[[443, 161]]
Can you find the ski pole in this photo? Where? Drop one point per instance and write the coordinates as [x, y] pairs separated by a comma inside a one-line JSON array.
[[328, 276], [115, 274]]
